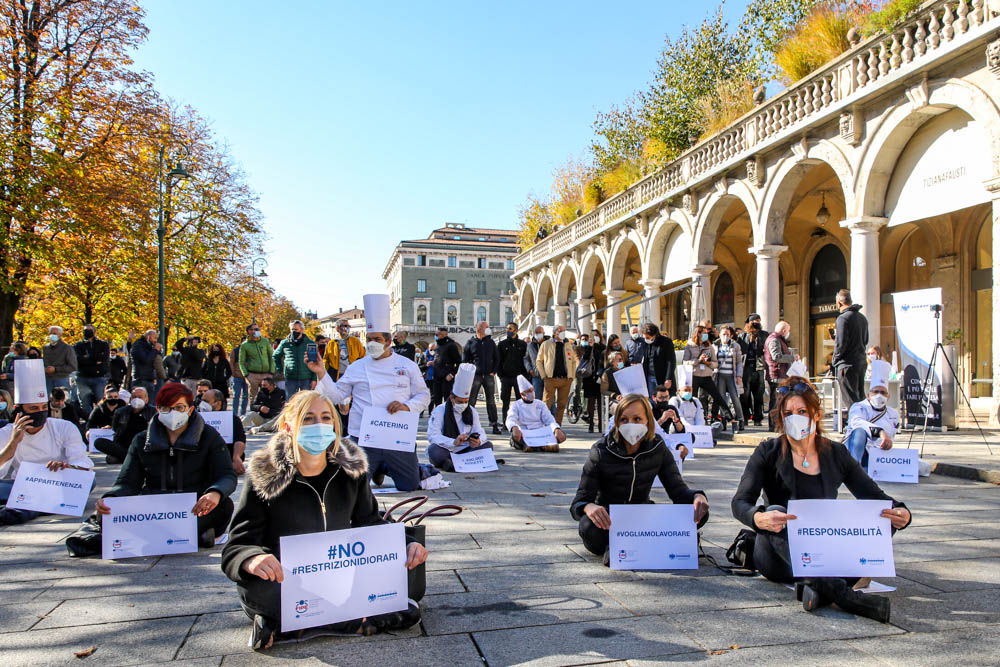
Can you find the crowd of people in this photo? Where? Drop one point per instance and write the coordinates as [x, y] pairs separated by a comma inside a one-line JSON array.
[[312, 396]]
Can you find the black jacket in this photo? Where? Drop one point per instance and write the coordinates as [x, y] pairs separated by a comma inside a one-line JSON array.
[[92, 357], [277, 502], [127, 423], [448, 357], [753, 347], [198, 462], [664, 359], [406, 349], [274, 400], [613, 477], [771, 475], [192, 359], [143, 355], [852, 338], [117, 370], [511, 353], [103, 415], [481, 352], [217, 371]]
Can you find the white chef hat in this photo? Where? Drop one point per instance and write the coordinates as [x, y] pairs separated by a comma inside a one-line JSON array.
[[881, 371], [798, 369], [631, 380], [124, 395], [376, 312], [687, 376], [29, 381], [463, 380], [523, 384]]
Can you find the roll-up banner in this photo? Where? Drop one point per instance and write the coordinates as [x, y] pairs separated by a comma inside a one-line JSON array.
[[918, 330]]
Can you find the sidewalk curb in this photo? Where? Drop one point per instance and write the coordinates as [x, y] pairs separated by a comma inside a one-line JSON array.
[[966, 472]]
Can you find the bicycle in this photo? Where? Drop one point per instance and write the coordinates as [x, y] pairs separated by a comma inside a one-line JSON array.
[[575, 407]]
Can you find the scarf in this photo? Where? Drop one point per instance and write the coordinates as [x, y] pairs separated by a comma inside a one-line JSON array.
[[450, 426]]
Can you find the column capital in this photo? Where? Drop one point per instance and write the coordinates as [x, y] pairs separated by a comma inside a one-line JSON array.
[[614, 294], [584, 300], [560, 309], [993, 186], [703, 270], [864, 224], [541, 313], [652, 283], [767, 251]]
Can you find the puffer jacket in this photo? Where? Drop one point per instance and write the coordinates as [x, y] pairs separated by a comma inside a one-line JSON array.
[[613, 477], [290, 358], [277, 502]]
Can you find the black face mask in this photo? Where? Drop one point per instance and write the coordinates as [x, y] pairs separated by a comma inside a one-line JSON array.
[[37, 418], [114, 402], [88, 334], [296, 335], [511, 334], [662, 404]]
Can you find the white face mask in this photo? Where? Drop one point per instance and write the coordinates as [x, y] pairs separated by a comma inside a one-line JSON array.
[[204, 406], [878, 401], [873, 357], [649, 341], [137, 403], [459, 407], [528, 396], [488, 332], [798, 427], [558, 335], [539, 337], [173, 420], [633, 433], [636, 336], [374, 349], [724, 338]]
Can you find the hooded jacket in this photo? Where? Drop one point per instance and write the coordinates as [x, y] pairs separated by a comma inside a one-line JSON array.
[[611, 476], [277, 502], [852, 338], [449, 356]]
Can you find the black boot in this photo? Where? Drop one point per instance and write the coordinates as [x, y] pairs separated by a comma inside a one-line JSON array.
[[833, 589], [815, 593]]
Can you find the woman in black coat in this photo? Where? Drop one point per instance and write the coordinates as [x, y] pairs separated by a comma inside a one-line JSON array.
[[590, 385], [217, 370], [802, 464], [620, 471], [307, 449]]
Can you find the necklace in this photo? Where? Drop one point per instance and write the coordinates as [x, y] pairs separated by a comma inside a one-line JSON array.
[[805, 462]]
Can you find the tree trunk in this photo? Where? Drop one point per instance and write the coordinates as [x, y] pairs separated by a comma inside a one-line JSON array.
[[9, 303]]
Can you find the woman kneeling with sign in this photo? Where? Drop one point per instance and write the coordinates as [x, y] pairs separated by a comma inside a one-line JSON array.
[[802, 464], [620, 471], [308, 480]]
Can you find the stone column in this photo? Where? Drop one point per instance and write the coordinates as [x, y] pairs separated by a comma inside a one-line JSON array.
[[866, 286], [613, 315], [994, 188], [561, 312], [586, 322], [650, 310], [701, 293], [768, 298], [540, 317]]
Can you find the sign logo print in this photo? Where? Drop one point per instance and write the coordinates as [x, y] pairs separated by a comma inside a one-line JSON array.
[[301, 607]]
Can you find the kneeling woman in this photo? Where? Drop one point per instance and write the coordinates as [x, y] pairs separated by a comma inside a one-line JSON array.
[[620, 471], [802, 464], [308, 480]]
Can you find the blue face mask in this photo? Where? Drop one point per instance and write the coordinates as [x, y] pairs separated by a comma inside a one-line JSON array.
[[3, 405], [316, 438], [704, 337], [620, 364], [686, 395]]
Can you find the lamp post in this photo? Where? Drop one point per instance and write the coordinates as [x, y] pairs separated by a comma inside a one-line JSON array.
[[161, 231], [254, 274]]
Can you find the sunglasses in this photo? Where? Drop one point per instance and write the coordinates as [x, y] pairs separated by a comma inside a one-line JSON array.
[[800, 387]]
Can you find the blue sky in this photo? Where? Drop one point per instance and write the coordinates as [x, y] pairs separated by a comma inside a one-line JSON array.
[[361, 124]]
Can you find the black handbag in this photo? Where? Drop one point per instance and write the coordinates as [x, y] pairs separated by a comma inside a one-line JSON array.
[[416, 579], [740, 552]]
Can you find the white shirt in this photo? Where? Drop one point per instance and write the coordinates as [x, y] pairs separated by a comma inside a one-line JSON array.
[[435, 426], [690, 412], [377, 382], [864, 416], [59, 440], [529, 416]]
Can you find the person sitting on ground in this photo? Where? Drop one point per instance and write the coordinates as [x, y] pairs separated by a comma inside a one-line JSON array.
[[127, 422], [214, 401], [180, 447], [527, 414], [6, 408], [60, 408], [687, 405], [332, 494], [267, 404], [620, 470], [103, 413], [801, 463], [454, 425], [615, 362], [872, 423]]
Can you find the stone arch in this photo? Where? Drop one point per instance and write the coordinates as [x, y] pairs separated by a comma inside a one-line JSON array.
[[714, 209], [565, 278], [618, 256], [543, 291], [526, 302], [660, 235], [592, 271], [880, 153]]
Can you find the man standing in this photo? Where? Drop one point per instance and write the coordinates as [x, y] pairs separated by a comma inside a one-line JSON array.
[[511, 351], [192, 359], [481, 352], [343, 351], [256, 361], [402, 348], [778, 357], [446, 363], [93, 357], [60, 360], [751, 341], [240, 393], [289, 359], [656, 354], [557, 367], [116, 368], [531, 361], [143, 355], [849, 345], [634, 347]]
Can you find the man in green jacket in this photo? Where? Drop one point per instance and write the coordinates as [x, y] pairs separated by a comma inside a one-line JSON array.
[[256, 362], [290, 360]]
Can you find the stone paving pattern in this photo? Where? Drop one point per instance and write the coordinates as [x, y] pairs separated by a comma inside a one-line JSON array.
[[509, 584]]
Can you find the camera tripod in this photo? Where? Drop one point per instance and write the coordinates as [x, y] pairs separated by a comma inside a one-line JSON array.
[[929, 378]]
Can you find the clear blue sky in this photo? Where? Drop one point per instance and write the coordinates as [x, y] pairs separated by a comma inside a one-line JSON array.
[[364, 123]]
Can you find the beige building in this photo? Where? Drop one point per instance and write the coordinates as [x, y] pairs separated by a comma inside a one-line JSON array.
[[879, 172], [355, 317]]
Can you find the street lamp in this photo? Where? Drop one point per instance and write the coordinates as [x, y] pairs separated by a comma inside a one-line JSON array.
[[255, 274], [177, 172]]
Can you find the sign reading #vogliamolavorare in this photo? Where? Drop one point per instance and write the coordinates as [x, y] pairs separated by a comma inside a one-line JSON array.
[[840, 538], [341, 575], [653, 537]]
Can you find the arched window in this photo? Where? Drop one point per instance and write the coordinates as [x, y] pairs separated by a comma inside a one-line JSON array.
[[422, 314], [481, 314], [452, 315], [827, 276], [683, 319], [723, 298], [913, 270]]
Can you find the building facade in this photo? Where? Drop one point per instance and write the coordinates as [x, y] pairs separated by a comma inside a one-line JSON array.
[[355, 317], [879, 172], [456, 277]]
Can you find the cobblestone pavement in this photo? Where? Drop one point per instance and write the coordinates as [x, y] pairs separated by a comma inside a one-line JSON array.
[[510, 584]]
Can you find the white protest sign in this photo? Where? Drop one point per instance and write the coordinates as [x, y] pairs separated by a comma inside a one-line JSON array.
[[632, 380], [221, 421], [893, 465], [840, 538], [653, 537], [381, 430], [38, 489], [149, 525], [341, 575], [480, 460], [538, 437], [96, 433], [702, 436]]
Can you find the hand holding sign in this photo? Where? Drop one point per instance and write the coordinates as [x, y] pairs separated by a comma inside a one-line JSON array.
[[898, 517], [265, 566]]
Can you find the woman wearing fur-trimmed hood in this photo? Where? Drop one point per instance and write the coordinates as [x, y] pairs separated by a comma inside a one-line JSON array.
[[308, 480]]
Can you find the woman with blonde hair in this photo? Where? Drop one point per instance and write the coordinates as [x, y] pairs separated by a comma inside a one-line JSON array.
[[620, 471], [307, 480]]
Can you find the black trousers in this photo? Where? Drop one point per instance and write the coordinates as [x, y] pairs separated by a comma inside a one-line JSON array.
[[441, 390], [489, 386], [111, 448], [753, 395], [772, 557], [508, 384], [772, 398], [708, 385], [852, 383], [596, 539]]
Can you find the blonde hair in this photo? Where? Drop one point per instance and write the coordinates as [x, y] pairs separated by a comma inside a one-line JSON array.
[[628, 400], [294, 413]]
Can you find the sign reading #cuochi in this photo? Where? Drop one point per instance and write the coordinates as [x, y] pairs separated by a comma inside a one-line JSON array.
[[341, 575], [894, 465], [382, 430]]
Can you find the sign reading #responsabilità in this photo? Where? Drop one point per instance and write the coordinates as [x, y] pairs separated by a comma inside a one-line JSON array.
[[840, 538]]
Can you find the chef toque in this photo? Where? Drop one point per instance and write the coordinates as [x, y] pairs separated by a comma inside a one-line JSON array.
[[463, 380], [377, 313]]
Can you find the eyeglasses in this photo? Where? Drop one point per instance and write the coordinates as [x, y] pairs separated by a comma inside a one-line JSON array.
[[177, 408], [800, 387]]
